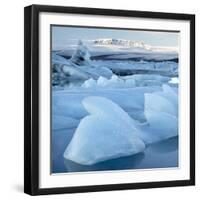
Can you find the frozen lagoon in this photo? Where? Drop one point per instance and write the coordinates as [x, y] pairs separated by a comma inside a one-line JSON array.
[[146, 97]]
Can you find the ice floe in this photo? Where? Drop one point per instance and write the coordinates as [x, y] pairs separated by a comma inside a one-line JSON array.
[[82, 55], [108, 132], [161, 112]]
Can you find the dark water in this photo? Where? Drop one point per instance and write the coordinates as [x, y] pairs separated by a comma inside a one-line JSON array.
[[159, 155]]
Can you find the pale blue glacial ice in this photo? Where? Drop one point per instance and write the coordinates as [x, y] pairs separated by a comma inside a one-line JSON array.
[[108, 130], [107, 133], [108, 112]]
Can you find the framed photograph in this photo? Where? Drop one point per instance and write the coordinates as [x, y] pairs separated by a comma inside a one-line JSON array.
[[109, 100]]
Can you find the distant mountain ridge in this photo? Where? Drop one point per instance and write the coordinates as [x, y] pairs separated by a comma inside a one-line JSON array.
[[122, 42], [131, 44], [119, 49]]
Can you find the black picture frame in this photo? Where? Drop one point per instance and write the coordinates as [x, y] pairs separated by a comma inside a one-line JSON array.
[[31, 98]]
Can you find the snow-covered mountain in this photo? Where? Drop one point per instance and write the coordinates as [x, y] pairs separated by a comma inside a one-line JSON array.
[[122, 42], [131, 45]]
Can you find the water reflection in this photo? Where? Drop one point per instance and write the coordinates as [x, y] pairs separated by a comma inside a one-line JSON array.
[[166, 146], [163, 154], [129, 162]]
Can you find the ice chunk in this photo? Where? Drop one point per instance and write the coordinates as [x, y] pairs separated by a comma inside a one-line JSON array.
[[77, 69], [100, 71], [64, 73], [58, 59], [160, 126], [159, 103], [107, 133], [170, 94], [90, 83], [102, 81], [174, 80], [161, 112], [81, 55], [113, 82], [74, 72]]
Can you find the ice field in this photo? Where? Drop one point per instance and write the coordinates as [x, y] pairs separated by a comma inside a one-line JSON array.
[[114, 108]]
